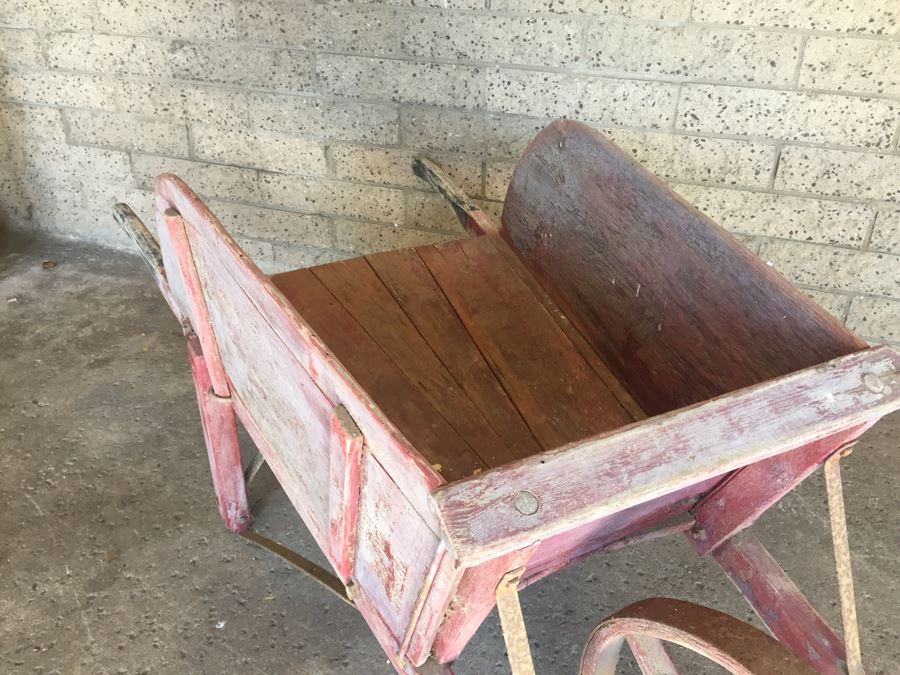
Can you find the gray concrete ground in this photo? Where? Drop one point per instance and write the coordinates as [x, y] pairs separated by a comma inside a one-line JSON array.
[[113, 558]]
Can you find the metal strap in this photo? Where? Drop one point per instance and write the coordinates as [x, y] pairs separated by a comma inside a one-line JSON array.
[[513, 623], [842, 559]]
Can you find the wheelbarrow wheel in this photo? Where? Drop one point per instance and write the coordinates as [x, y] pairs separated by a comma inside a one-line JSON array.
[[646, 625]]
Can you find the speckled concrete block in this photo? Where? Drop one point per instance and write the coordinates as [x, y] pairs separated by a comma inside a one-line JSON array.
[[242, 65], [790, 116], [127, 132], [20, 48], [342, 28], [769, 215], [259, 149], [64, 89], [875, 16], [213, 19], [886, 234], [839, 173], [262, 253], [500, 38], [428, 211], [207, 180], [489, 135], [703, 160], [607, 101], [332, 197], [851, 64], [496, 179], [274, 225], [834, 304], [340, 119], [113, 54], [639, 9], [46, 160], [23, 123], [191, 102], [47, 14], [400, 81], [360, 237], [288, 258], [393, 166], [102, 196], [840, 269], [875, 317], [693, 51]]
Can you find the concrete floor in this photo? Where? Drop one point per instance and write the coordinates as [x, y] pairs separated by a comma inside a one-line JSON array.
[[113, 558]]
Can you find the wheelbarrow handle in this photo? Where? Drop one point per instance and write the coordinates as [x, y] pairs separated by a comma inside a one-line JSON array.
[[146, 243], [470, 216]]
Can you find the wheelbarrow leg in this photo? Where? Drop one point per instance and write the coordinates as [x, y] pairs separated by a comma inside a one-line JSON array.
[[513, 624], [222, 447]]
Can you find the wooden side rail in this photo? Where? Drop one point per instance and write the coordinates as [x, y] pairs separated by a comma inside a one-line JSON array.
[[515, 505]]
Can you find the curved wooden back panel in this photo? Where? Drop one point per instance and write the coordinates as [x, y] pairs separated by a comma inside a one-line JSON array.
[[680, 310]]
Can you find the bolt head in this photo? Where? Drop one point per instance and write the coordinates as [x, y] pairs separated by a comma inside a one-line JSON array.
[[526, 503], [873, 383]]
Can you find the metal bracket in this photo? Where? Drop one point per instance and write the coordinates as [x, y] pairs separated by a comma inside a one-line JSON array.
[[513, 623]]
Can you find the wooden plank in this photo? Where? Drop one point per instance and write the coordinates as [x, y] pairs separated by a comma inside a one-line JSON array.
[[346, 450], [749, 491], [614, 471], [557, 392], [407, 467], [222, 446], [437, 601], [360, 290], [781, 605], [678, 308], [415, 290], [377, 374]]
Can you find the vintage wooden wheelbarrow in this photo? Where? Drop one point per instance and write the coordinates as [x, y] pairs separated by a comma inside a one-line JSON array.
[[456, 421]]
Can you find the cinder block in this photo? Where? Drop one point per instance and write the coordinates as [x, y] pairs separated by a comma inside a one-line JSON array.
[[834, 304], [470, 132], [113, 54], [606, 101], [339, 119], [693, 51], [274, 225], [262, 253], [700, 160], [400, 81], [57, 161], [259, 149], [47, 14], [293, 257], [886, 234], [331, 197], [23, 123], [839, 269], [52, 88], [496, 179], [207, 180], [214, 19], [191, 102], [429, 211], [20, 47], [877, 318], [851, 64], [75, 221], [839, 173], [336, 28], [393, 166], [874, 16], [770, 215], [790, 116], [498, 38], [127, 132], [361, 238], [103, 196], [242, 65], [639, 9]]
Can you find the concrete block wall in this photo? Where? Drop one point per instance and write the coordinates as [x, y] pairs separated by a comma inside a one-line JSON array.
[[297, 119]]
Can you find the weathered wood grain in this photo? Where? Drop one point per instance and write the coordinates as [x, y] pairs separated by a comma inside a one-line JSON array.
[[781, 605], [677, 307], [602, 475], [346, 450]]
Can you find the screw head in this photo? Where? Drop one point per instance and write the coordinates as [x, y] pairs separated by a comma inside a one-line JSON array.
[[873, 383], [526, 503]]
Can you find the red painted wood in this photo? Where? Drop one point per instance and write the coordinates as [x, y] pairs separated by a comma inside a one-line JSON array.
[[781, 605], [343, 499], [606, 474], [651, 655], [677, 307], [223, 450], [437, 600], [750, 491]]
